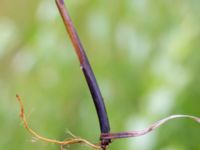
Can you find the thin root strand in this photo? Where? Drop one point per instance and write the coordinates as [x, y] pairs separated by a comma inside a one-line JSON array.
[[74, 140]]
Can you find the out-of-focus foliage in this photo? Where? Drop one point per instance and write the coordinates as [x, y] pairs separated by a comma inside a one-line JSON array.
[[146, 57]]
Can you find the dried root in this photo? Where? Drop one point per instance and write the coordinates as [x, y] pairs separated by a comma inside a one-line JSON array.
[[104, 136], [74, 140], [147, 130]]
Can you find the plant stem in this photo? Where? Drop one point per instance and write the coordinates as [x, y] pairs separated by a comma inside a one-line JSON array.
[[87, 70]]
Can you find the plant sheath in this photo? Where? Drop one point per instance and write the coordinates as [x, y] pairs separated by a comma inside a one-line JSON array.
[[86, 68]]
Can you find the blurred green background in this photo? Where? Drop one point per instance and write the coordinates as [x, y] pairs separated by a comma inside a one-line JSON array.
[[146, 57]]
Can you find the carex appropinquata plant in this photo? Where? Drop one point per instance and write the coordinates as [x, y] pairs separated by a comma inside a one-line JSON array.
[[106, 137]]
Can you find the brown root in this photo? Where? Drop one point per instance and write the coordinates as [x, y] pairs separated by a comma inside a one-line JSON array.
[[73, 140]]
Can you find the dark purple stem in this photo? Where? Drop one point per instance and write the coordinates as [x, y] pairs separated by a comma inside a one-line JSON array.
[[87, 70]]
